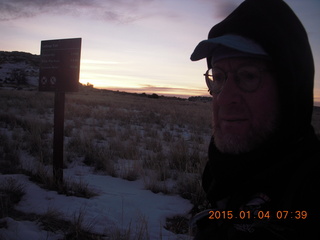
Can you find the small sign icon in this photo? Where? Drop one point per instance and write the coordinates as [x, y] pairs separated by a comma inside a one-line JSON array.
[[44, 81], [53, 80]]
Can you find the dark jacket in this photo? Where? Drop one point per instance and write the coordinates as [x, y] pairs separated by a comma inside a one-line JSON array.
[[281, 179]]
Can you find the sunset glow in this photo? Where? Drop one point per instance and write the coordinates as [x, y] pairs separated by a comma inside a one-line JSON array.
[[139, 46]]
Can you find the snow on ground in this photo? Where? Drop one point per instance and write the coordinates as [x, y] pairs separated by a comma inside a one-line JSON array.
[[32, 73], [25, 230], [120, 203]]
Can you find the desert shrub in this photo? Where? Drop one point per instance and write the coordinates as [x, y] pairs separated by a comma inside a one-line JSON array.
[[52, 221], [177, 224], [163, 141], [137, 231], [178, 156], [129, 150], [69, 187], [38, 140], [34, 135], [130, 174], [73, 229], [155, 186], [189, 187], [154, 144], [11, 192], [100, 156], [9, 154]]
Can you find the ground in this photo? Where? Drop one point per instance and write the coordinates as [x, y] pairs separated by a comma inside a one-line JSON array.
[[132, 166]]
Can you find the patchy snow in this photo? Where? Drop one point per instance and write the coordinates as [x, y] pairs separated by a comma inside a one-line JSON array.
[[25, 230], [32, 73], [120, 203], [96, 124]]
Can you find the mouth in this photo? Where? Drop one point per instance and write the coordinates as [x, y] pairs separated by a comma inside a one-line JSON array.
[[231, 120], [237, 126], [227, 123]]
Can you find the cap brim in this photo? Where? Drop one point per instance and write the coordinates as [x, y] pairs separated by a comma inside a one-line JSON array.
[[206, 48]]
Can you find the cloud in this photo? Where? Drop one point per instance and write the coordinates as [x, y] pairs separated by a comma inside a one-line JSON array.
[[108, 10], [167, 91], [222, 8], [119, 11], [14, 9]]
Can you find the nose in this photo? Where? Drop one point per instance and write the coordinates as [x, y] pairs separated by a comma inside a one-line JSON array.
[[230, 93]]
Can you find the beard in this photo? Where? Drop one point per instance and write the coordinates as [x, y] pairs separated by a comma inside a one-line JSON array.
[[256, 136]]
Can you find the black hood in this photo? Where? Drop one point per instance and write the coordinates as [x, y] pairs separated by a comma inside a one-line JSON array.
[[273, 25]]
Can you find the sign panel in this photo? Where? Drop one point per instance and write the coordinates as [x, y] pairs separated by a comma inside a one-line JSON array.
[[60, 65]]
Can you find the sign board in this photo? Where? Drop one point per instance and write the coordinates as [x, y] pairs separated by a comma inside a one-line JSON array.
[[60, 65]]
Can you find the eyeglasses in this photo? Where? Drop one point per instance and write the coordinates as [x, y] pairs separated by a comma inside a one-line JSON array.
[[247, 78]]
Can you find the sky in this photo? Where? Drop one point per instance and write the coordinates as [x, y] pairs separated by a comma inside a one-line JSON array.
[[135, 45]]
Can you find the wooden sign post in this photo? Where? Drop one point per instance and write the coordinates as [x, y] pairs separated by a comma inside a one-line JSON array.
[[59, 73]]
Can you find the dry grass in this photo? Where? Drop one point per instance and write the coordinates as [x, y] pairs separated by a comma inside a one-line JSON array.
[[139, 232], [162, 141], [43, 177], [11, 192]]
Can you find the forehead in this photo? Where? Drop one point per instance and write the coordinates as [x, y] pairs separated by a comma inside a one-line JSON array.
[[240, 61]]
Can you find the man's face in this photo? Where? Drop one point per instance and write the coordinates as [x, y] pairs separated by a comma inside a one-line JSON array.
[[244, 120]]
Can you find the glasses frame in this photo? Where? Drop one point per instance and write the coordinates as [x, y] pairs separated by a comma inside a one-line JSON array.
[[237, 80]]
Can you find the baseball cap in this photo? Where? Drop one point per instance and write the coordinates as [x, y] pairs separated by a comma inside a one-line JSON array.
[[226, 46]]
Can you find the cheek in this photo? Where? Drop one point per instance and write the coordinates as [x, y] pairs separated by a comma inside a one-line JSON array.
[[215, 109], [265, 106]]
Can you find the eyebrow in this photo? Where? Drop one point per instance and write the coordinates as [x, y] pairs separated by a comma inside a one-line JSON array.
[[244, 62]]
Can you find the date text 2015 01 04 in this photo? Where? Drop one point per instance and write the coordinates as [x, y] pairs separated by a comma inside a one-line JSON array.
[[228, 215]]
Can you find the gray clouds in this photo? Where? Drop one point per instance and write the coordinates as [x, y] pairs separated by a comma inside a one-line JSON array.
[[109, 10], [222, 8], [120, 11], [14, 9]]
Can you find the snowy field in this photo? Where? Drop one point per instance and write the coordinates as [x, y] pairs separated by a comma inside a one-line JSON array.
[[121, 205], [132, 166]]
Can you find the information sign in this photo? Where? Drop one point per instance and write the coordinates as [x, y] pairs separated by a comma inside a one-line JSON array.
[[60, 65]]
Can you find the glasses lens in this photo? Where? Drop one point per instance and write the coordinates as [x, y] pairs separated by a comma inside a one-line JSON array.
[[248, 78], [218, 78]]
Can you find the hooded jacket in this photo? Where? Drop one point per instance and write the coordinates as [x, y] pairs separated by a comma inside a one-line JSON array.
[[282, 176]]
